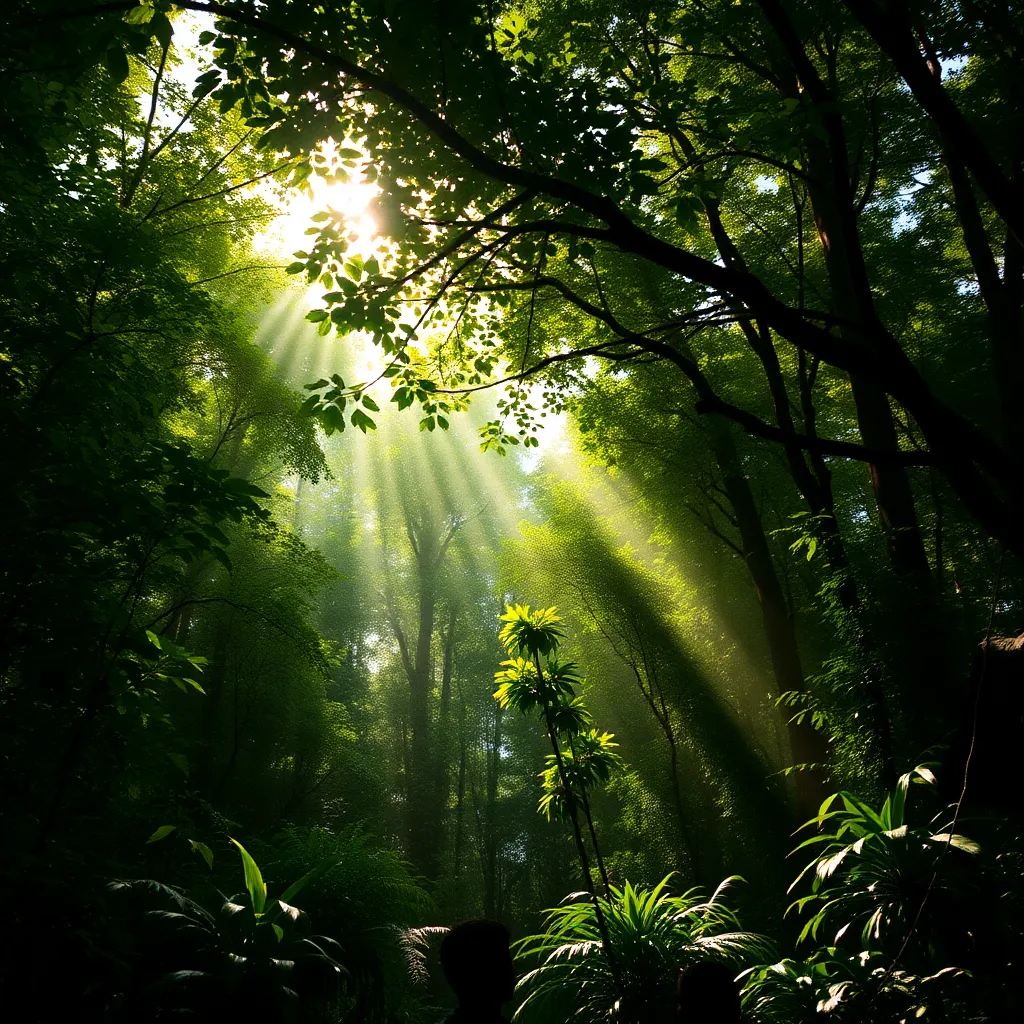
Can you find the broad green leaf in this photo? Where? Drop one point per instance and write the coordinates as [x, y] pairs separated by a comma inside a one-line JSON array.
[[141, 15], [253, 879], [161, 833]]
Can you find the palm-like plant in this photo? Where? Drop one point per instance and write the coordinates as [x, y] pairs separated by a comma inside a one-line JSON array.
[[524, 687], [530, 633], [654, 934], [590, 761], [528, 686]]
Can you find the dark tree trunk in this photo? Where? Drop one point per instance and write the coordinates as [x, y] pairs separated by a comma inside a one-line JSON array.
[[813, 480], [429, 538], [808, 746]]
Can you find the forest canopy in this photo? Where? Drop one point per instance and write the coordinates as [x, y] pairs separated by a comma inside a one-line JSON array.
[[617, 489]]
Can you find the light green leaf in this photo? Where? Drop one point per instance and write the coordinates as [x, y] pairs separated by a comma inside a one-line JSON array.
[[141, 15], [253, 879], [204, 851], [161, 833]]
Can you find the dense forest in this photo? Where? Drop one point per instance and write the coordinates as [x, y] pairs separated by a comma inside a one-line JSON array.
[[556, 461]]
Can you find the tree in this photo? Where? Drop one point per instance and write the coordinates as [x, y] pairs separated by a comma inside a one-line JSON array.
[[429, 537], [525, 684], [719, 188], [517, 140]]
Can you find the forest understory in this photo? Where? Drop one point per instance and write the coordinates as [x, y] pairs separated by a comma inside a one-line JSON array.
[[551, 462]]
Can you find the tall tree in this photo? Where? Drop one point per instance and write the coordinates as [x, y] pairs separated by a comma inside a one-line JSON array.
[[530, 122]]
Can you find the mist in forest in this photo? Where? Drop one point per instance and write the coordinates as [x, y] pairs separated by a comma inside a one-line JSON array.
[[511, 489]]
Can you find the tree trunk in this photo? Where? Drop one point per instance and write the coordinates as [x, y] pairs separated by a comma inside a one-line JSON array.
[[853, 304], [429, 537], [807, 745]]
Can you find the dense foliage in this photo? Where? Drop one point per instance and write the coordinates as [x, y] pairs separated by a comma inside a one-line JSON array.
[[731, 297]]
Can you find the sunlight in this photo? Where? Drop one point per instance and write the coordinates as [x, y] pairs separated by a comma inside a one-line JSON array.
[[288, 233]]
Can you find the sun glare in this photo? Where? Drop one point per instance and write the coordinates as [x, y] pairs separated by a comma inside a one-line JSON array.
[[351, 199]]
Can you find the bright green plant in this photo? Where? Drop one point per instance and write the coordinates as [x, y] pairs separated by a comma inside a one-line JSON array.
[[527, 686], [876, 875], [836, 986], [591, 761], [530, 633], [653, 932], [890, 918]]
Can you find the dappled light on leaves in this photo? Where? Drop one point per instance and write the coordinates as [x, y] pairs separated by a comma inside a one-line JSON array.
[[532, 461]]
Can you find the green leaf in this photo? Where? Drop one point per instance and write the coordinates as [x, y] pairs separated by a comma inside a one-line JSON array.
[[295, 268], [204, 851], [161, 833], [362, 421], [314, 316], [180, 761], [332, 419], [141, 15], [253, 879], [317, 872]]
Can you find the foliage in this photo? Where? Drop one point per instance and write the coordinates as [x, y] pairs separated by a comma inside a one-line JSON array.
[[530, 633], [878, 876], [255, 958], [550, 688], [371, 905], [765, 255], [837, 986], [653, 934], [912, 906], [590, 761], [522, 688], [575, 147]]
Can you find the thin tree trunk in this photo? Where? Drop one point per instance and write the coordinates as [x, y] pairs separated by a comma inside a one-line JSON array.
[[581, 849]]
